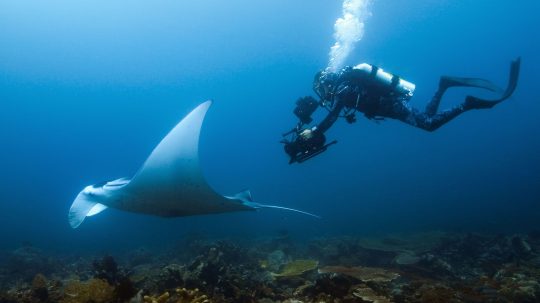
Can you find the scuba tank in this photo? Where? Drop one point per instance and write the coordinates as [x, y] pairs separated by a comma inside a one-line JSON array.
[[385, 79]]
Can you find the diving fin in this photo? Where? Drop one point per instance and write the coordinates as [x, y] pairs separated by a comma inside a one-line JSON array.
[[447, 82], [472, 102]]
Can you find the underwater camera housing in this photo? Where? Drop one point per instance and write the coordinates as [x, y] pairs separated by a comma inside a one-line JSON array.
[[301, 147], [305, 107]]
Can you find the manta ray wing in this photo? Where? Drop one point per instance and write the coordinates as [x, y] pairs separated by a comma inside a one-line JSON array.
[[171, 183]]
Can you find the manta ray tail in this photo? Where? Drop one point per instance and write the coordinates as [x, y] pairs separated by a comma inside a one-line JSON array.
[[245, 197]]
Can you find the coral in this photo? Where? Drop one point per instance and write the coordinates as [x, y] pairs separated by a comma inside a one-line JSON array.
[[519, 284], [152, 278], [138, 298], [417, 242], [139, 256], [171, 276], [180, 295], [124, 290], [159, 299], [191, 296], [226, 271], [438, 266], [218, 261], [367, 294], [364, 274], [342, 250], [436, 294], [282, 241], [275, 260], [349, 251], [334, 286], [39, 282], [39, 287], [460, 268], [521, 248], [263, 264], [93, 290], [106, 269], [28, 261], [297, 268], [303, 288], [469, 255]]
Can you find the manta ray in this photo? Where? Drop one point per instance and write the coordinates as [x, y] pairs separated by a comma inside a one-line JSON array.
[[169, 184]]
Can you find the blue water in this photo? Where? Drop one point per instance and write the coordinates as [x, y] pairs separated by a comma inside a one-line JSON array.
[[88, 88]]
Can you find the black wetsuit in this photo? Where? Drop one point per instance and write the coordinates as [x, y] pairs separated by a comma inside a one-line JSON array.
[[353, 90]]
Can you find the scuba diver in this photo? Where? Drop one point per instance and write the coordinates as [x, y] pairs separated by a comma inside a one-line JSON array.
[[377, 94]]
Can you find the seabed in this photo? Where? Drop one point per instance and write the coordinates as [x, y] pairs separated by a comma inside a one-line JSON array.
[[421, 267]]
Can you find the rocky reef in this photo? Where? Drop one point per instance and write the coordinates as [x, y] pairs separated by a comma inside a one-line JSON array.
[[422, 267]]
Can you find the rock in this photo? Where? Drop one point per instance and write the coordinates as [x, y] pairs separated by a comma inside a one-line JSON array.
[[521, 248], [407, 258], [436, 264]]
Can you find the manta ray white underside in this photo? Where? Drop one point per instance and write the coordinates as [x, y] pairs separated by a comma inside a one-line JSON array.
[[169, 184]]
